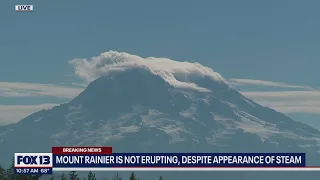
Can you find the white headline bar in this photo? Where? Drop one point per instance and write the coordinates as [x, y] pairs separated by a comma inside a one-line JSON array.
[[194, 169]]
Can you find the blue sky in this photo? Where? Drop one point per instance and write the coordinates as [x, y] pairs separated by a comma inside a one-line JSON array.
[[270, 41]]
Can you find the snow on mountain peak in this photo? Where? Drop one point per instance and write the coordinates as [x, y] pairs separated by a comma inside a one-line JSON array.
[[176, 73]]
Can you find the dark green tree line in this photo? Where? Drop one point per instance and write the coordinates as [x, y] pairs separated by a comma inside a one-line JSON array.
[[8, 174]]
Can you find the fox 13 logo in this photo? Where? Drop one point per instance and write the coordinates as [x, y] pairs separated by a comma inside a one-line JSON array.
[[33, 160]]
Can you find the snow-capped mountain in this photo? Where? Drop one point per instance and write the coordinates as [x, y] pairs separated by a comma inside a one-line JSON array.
[[135, 105]]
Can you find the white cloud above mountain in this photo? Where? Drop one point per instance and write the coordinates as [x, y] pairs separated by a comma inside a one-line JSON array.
[[243, 82], [303, 99], [19, 89], [288, 101], [14, 113], [169, 70]]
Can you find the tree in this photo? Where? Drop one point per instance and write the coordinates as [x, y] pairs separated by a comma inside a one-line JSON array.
[[2, 172], [73, 176], [63, 177], [23, 177], [91, 176], [160, 178], [117, 177], [132, 176], [52, 178], [10, 175], [35, 177]]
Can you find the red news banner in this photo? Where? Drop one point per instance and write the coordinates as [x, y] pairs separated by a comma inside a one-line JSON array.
[[81, 150]]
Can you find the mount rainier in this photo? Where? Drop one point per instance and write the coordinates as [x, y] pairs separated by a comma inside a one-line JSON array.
[[139, 104]]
